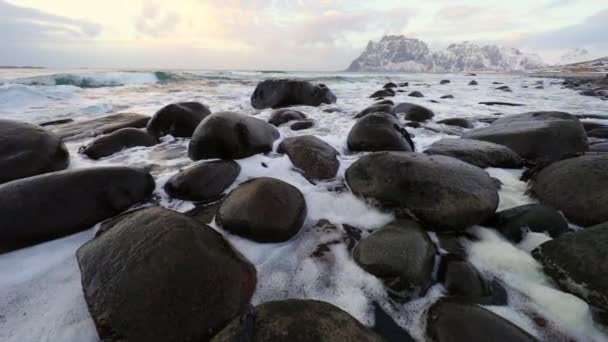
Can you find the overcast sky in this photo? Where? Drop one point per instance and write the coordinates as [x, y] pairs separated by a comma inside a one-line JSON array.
[[280, 34]]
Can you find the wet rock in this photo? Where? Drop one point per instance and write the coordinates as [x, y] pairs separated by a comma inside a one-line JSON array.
[[383, 93], [415, 94], [316, 158], [576, 187], [439, 191], [447, 97], [99, 126], [444, 82], [413, 112], [401, 254], [515, 222], [117, 141], [404, 84], [545, 136], [281, 116], [285, 93], [57, 204], [539, 87], [177, 119], [157, 261], [263, 210], [385, 102], [473, 83], [229, 135], [598, 133], [459, 122], [55, 122], [390, 85], [496, 103], [204, 213], [455, 321], [599, 148], [301, 125], [379, 132], [450, 242], [376, 108], [203, 181], [29, 150], [385, 326], [591, 125], [463, 281], [479, 153], [296, 320], [505, 89]]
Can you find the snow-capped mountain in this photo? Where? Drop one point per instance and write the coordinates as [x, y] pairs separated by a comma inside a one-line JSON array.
[[399, 53], [574, 56], [596, 65]]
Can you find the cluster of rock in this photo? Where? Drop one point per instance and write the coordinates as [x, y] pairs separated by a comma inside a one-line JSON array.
[[592, 87]]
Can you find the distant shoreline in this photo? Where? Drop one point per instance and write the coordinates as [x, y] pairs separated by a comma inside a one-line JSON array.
[[21, 67]]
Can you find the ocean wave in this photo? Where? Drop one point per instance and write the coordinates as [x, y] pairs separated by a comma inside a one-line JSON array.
[[17, 96], [98, 80]]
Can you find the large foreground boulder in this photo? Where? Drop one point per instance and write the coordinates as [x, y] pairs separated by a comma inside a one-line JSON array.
[[296, 320], [316, 158], [544, 136], [264, 210], [401, 254], [285, 93], [440, 191], [578, 187], [479, 153], [281, 116], [158, 275], [577, 262], [203, 181], [513, 223], [413, 112], [229, 135], [98, 126], [53, 205], [178, 119], [379, 132], [118, 141], [29, 150], [453, 321]]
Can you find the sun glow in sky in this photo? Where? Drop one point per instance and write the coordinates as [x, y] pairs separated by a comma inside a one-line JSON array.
[[279, 34]]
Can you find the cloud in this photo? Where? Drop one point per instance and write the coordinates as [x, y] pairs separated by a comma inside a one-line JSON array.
[[559, 3], [154, 21], [453, 13]]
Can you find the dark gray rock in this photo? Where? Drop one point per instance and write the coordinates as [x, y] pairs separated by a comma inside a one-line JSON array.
[[413, 112], [444, 82], [379, 132], [385, 326], [55, 122], [513, 223], [281, 116], [158, 275], [103, 125], [316, 158], [297, 320], [263, 210], [505, 89], [228, 135], [375, 108], [576, 187], [117, 141], [404, 84], [385, 102], [401, 254], [591, 125], [598, 133], [599, 148], [29, 150], [473, 83], [447, 97], [203, 181], [302, 125], [383, 93], [439, 191], [390, 85], [285, 93], [496, 103], [463, 281], [459, 122], [415, 94], [177, 119], [479, 153]]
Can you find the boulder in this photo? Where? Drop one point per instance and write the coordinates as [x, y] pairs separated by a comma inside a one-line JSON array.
[[599, 148], [479, 153], [296, 320], [444, 82], [54, 205], [316, 158], [301, 125], [447, 97], [103, 125], [473, 83], [404, 84], [598, 133], [158, 275], [545, 136], [505, 89], [385, 326], [28, 150], [461, 280], [577, 187], [413, 112], [458, 122], [401, 254], [496, 103], [178, 119], [390, 85], [55, 122], [379, 132], [383, 93], [513, 223], [117, 141], [229, 135], [456, 321], [375, 108], [383, 102], [285, 93], [439, 191], [264, 210], [204, 181], [281, 116], [415, 94]]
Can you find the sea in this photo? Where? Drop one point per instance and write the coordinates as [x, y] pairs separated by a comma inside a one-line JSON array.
[[40, 291]]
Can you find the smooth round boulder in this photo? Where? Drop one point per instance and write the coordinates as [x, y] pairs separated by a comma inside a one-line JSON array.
[[515, 222], [444, 97], [458, 122], [296, 320], [375, 108], [473, 83], [229, 135], [461, 280], [578, 187], [158, 275], [598, 133], [379, 132], [282, 116], [285, 93], [178, 119], [118, 141], [390, 85], [203, 182], [415, 94], [444, 82], [455, 321], [441, 192], [388, 92], [413, 112], [28, 150], [302, 125], [263, 210], [401, 254], [479, 153], [57, 204], [316, 158]]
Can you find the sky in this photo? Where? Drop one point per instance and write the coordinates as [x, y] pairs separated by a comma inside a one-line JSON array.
[[280, 34]]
